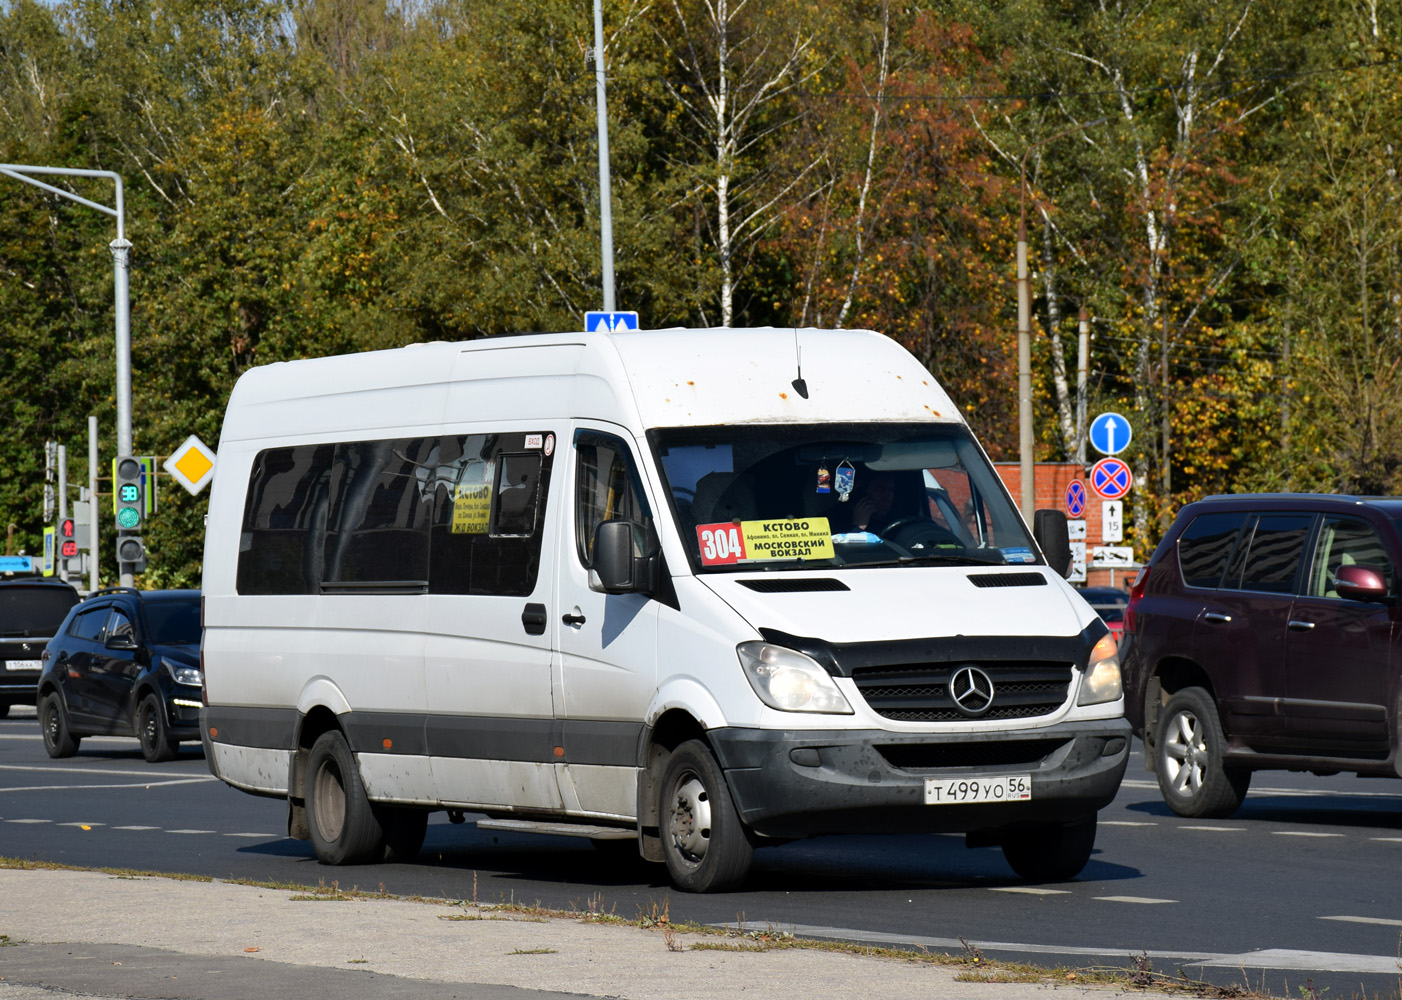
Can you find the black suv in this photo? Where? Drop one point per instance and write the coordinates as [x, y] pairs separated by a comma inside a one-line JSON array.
[[1266, 632], [125, 663], [31, 610]]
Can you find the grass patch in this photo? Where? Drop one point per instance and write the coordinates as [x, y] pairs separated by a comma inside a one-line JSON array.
[[6, 942], [532, 951]]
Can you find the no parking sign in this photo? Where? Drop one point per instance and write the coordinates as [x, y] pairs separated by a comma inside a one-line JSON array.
[[1111, 478]]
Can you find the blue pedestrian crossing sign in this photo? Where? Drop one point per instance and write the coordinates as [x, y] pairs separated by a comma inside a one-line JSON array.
[[1110, 434], [609, 322]]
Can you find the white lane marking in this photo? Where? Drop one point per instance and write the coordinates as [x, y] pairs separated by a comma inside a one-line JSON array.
[[1286, 792], [136, 827], [192, 831], [1125, 822], [261, 836], [1270, 958], [131, 784], [61, 769], [1387, 840], [1307, 961], [1380, 921], [84, 825], [1030, 890], [1216, 829], [1303, 833], [1147, 900], [28, 821]]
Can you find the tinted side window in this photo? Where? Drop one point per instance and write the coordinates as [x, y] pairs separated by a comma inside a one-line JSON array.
[[606, 488], [120, 624], [1344, 541], [377, 526], [284, 518], [1205, 546], [458, 514], [88, 625], [488, 516], [1273, 559]]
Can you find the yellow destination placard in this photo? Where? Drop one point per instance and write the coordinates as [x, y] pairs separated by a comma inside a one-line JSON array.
[[791, 538], [472, 509]]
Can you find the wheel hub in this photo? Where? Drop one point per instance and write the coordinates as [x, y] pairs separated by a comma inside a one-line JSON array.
[[690, 824]]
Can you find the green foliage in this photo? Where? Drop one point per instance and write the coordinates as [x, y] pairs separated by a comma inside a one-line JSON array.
[[304, 177]]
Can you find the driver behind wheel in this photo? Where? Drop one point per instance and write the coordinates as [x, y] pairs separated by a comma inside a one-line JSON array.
[[871, 510]]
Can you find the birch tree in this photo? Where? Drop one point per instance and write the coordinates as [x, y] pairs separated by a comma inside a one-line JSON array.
[[737, 73]]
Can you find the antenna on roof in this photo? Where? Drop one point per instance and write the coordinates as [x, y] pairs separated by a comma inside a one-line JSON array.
[[800, 386]]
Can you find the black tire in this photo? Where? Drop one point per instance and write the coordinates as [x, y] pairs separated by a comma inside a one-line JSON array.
[[704, 844], [1052, 853], [404, 831], [151, 731], [1188, 759], [343, 827], [59, 740]]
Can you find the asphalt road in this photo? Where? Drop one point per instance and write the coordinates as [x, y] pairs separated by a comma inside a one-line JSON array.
[[1301, 889]]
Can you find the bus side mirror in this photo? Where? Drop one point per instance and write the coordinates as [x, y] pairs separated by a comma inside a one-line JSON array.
[[1053, 538], [619, 569]]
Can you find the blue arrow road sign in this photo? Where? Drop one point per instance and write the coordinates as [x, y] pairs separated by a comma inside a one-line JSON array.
[[1110, 434], [609, 322], [1111, 478], [1076, 498]]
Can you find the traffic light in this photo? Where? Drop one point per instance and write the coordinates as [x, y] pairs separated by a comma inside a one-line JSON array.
[[67, 539], [129, 492], [131, 551]]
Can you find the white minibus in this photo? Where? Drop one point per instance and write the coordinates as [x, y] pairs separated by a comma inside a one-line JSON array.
[[705, 590]]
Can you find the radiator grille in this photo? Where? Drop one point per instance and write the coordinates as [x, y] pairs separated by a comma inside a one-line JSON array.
[[919, 692]]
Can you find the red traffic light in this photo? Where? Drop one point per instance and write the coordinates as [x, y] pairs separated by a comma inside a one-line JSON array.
[[65, 530], [69, 549]]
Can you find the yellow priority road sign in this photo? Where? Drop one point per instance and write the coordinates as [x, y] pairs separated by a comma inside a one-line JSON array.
[[191, 465]]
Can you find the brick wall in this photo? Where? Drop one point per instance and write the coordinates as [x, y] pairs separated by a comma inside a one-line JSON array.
[[1050, 480]]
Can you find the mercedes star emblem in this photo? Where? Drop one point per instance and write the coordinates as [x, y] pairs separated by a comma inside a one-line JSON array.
[[971, 690]]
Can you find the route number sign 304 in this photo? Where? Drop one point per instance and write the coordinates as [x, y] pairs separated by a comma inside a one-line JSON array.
[[971, 791]]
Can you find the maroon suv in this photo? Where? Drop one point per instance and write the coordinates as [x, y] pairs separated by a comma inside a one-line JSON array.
[[1265, 632]]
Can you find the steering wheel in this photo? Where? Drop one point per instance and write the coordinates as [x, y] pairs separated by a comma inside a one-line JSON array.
[[919, 535]]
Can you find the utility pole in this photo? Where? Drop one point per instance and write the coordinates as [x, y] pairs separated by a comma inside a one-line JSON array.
[[605, 199], [1082, 377], [120, 248]]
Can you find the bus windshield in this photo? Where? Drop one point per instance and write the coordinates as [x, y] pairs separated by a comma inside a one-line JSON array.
[[837, 495]]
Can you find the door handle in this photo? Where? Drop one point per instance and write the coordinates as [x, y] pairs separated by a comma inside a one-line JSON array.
[[1215, 616], [533, 618], [572, 619], [1297, 625]]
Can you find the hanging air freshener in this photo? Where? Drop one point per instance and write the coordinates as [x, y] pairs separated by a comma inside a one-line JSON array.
[[846, 479], [824, 479]]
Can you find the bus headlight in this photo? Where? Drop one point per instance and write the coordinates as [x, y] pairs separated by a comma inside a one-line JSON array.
[[790, 681], [1102, 681]]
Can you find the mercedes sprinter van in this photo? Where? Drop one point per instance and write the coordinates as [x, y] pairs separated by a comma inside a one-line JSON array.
[[706, 590]]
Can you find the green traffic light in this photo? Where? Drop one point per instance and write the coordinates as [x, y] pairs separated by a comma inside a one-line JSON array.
[[128, 517]]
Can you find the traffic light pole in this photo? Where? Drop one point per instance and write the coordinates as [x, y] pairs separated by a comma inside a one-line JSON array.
[[120, 248]]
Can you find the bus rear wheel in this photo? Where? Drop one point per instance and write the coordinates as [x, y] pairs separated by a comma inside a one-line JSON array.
[[343, 827]]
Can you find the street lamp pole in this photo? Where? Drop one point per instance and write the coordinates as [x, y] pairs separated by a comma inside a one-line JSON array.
[[121, 267], [605, 200], [1024, 332]]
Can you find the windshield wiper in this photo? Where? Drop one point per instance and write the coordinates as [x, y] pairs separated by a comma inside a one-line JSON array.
[[934, 558]]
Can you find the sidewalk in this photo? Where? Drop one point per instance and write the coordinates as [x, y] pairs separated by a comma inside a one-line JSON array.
[[91, 934]]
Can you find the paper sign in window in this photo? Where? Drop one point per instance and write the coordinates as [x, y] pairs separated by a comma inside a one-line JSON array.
[[472, 509]]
